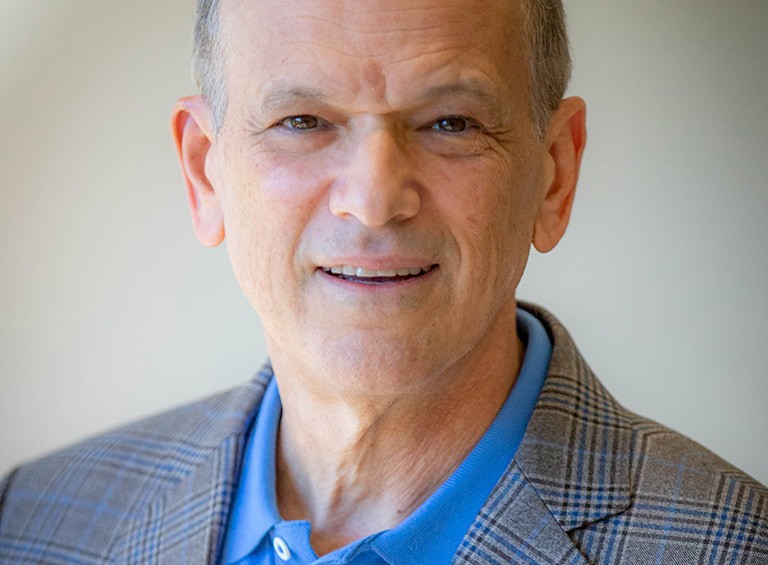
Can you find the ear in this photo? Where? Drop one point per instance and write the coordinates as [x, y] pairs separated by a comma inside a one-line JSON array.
[[191, 127], [565, 139]]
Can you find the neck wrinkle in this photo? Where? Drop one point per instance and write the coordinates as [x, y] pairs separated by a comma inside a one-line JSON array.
[[353, 471]]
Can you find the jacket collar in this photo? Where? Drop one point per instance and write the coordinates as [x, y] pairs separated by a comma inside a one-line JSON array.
[[577, 449], [572, 467]]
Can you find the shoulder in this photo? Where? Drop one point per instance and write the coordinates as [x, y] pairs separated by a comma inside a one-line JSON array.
[[667, 463], [82, 494], [686, 505], [628, 489]]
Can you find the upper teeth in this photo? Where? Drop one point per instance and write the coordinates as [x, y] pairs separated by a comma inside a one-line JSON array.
[[351, 271]]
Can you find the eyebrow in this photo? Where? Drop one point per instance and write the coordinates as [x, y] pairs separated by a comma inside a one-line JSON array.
[[471, 87], [283, 94]]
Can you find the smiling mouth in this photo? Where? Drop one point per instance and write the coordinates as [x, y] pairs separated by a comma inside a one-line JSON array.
[[376, 276]]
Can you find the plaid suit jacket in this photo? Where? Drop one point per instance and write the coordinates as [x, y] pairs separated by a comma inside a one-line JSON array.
[[591, 483]]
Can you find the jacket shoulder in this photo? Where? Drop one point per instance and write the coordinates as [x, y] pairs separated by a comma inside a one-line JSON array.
[[70, 505], [666, 462], [628, 489], [687, 505]]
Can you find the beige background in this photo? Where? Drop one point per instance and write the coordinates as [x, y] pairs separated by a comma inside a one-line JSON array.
[[109, 309]]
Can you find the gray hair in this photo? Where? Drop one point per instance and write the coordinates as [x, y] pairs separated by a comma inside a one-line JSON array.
[[548, 58], [208, 68]]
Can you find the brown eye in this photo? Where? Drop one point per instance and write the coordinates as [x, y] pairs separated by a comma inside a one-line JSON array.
[[451, 124], [301, 122]]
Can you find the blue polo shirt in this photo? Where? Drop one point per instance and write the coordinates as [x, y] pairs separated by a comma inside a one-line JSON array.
[[257, 534]]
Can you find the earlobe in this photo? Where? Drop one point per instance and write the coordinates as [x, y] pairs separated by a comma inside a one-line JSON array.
[[193, 137], [566, 138]]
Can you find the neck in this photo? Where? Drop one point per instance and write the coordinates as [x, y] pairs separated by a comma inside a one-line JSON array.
[[357, 466]]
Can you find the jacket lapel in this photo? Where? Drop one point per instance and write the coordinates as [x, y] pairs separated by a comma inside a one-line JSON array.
[[516, 526], [572, 467], [187, 521]]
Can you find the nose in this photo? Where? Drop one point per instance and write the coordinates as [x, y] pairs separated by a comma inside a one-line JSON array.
[[378, 186]]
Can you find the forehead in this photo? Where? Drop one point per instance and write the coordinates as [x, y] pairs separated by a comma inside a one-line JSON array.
[[377, 47]]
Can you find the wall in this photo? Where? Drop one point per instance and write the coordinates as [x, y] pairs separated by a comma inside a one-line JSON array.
[[111, 310]]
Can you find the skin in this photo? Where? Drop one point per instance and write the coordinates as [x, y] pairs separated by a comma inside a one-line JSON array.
[[385, 135]]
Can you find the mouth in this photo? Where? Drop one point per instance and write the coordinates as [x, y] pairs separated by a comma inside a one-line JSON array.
[[376, 276]]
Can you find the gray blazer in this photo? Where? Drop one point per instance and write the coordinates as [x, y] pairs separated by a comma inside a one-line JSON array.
[[591, 483]]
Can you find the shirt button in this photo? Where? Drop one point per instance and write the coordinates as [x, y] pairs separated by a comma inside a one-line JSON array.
[[281, 548]]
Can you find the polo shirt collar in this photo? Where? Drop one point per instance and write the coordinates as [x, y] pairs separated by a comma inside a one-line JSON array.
[[255, 510], [433, 532]]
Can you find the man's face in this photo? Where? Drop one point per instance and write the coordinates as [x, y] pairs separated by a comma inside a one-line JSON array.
[[379, 179]]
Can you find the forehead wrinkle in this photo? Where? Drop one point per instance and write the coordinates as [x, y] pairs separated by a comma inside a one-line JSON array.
[[364, 29], [342, 23], [360, 18], [283, 94], [374, 81], [365, 65]]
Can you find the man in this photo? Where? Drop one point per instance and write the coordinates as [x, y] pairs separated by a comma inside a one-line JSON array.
[[380, 170]]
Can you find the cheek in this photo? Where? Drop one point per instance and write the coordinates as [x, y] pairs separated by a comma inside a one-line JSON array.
[[490, 206], [270, 198], [490, 199], [287, 181], [267, 206]]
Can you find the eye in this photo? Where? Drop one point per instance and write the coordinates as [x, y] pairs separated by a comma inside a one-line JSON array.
[[304, 121], [451, 124]]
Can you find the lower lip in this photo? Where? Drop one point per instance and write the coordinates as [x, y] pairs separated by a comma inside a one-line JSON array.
[[377, 284]]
